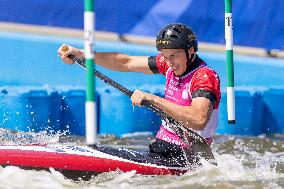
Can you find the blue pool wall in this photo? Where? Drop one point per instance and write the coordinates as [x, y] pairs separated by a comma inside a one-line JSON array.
[[58, 109], [39, 92]]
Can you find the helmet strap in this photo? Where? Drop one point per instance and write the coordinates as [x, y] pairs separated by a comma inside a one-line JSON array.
[[187, 55], [188, 61]]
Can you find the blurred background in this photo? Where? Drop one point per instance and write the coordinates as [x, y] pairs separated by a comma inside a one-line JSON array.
[[39, 92]]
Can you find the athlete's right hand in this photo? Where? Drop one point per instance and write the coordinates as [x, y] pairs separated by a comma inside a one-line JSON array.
[[65, 50]]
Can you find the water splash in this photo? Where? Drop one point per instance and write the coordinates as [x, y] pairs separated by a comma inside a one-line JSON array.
[[9, 137], [252, 162]]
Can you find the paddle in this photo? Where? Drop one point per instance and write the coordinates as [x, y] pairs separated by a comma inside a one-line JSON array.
[[197, 143]]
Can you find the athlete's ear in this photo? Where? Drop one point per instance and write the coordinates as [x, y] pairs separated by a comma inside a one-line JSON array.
[[191, 50]]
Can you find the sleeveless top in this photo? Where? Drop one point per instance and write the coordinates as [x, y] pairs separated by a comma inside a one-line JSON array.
[[179, 91]]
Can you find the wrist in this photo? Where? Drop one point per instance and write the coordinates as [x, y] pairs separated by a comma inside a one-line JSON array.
[[151, 98], [81, 54]]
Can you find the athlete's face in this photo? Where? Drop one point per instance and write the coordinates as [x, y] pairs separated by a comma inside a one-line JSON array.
[[176, 59]]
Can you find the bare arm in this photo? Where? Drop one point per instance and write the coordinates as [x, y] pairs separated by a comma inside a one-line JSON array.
[[113, 61], [123, 62], [195, 116]]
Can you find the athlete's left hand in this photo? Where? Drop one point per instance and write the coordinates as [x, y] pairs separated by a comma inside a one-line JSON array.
[[138, 96]]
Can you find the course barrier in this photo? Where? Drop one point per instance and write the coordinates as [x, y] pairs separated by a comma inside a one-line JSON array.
[[35, 110], [273, 118], [258, 111]]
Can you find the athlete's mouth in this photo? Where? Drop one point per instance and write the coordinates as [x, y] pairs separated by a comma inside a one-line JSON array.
[[175, 68]]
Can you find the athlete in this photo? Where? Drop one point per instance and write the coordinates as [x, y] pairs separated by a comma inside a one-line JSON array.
[[192, 93]]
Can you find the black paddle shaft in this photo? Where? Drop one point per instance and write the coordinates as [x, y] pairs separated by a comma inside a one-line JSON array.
[[198, 143]]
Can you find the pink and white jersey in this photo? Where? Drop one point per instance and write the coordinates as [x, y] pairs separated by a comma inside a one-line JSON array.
[[179, 91]]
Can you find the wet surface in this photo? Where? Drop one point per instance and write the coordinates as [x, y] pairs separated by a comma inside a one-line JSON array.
[[243, 162]]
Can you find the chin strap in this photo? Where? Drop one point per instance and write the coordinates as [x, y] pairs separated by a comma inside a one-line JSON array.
[[189, 59]]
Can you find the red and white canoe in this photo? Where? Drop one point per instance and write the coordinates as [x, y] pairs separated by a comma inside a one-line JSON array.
[[77, 161]]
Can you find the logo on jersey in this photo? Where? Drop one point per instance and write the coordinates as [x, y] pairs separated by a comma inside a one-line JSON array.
[[184, 94]]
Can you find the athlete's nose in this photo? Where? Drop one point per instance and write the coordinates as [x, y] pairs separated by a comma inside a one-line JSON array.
[[171, 63]]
